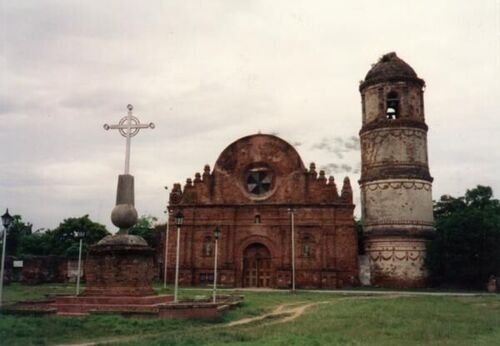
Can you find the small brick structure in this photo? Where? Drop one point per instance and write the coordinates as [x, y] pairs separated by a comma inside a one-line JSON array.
[[120, 265]]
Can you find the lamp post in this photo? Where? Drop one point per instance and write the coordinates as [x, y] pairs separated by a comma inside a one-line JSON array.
[[80, 234], [179, 218], [216, 236], [165, 260], [6, 222], [292, 230]]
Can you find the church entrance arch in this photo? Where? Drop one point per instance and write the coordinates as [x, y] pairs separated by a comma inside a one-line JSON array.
[[256, 266]]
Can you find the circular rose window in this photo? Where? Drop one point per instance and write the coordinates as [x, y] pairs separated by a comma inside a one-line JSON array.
[[259, 180]]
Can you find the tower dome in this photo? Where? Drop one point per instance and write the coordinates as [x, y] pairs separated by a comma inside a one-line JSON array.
[[390, 68]]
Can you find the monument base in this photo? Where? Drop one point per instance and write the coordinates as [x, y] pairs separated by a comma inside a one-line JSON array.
[[120, 265]]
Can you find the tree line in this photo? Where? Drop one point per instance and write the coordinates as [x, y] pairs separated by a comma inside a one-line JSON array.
[[465, 251], [63, 240]]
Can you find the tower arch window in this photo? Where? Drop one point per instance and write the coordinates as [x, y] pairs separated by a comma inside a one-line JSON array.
[[392, 105], [207, 247]]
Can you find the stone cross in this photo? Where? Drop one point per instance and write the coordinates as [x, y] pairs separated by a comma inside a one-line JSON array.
[[128, 126]]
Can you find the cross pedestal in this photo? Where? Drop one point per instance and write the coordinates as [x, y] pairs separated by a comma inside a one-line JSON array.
[[122, 264]]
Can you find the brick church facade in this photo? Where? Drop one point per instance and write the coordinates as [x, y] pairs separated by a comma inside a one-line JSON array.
[[255, 185]]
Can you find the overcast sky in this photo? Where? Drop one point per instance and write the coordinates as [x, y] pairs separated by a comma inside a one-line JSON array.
[[209, 72]]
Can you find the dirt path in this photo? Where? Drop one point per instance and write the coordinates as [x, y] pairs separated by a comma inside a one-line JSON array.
[[287, 312], [290, 312]]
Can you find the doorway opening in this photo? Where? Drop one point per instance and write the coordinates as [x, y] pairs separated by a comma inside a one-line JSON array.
[[256, 266]]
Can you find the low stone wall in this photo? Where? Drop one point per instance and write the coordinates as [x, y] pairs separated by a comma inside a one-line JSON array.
[[33, 270]]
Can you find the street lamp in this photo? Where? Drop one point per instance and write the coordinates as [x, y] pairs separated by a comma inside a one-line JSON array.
[[292, 230], [80, 234], [6, 222], [179, 218], [165, 260], [216, 236]]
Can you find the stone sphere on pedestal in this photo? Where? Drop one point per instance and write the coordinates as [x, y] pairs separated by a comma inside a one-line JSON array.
[[124, 216]]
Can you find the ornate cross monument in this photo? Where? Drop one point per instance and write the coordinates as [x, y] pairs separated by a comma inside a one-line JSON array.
[[124, 214], [122, 264]]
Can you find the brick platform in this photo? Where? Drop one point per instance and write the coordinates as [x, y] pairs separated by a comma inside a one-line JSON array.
[[148, 306]]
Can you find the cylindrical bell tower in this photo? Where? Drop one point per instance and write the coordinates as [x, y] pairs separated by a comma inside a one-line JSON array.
[[396, 187]]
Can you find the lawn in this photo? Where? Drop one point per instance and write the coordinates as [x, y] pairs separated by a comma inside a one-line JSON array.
[[281, 318]]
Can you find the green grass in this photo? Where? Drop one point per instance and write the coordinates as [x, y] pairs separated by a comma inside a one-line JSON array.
[[16, 291], [340, 320]]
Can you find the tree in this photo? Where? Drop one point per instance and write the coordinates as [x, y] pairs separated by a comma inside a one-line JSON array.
[[17, 231], [38, 243], [466, 248], [64, 241], [145, 228]]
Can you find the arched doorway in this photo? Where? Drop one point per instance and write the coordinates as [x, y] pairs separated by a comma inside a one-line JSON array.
[[256, 266]]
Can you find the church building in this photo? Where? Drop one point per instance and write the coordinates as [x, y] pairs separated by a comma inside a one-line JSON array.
[[258, 193], [271, 209]]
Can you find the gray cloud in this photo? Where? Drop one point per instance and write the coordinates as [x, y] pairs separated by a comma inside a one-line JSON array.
[[338, 145], [331, 168], [334, 168]]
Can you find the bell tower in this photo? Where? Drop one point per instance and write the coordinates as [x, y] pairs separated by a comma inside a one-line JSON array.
[[396, 186]]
